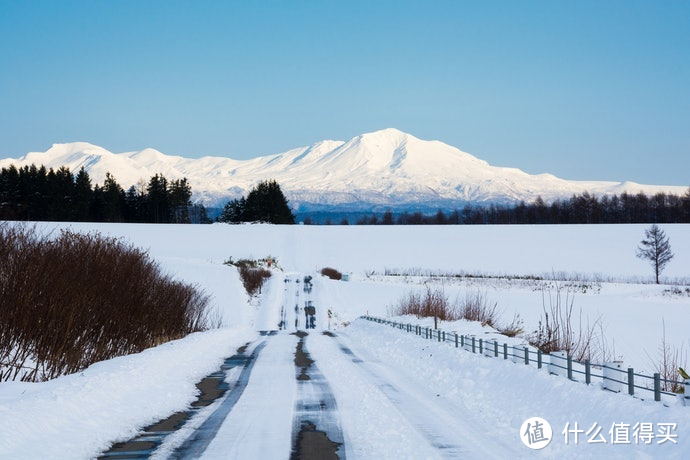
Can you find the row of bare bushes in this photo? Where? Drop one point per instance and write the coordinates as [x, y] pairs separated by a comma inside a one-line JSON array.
[[474, 307], [73, 299]]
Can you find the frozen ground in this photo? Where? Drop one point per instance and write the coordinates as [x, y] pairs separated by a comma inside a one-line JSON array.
[[397, 396]]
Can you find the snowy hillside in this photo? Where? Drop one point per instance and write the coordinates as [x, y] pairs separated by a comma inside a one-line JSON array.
[[389, 394], [383, 169]]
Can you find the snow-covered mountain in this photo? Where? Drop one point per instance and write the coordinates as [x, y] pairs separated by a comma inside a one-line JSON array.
[[383, 169]]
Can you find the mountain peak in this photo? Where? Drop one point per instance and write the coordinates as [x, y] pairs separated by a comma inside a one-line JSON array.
[[70, 148], [388, 136]]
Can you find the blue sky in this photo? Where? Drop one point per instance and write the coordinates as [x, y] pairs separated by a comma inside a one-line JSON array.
[[585, 90]]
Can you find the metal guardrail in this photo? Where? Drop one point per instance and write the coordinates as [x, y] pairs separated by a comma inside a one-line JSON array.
[[612, 375]]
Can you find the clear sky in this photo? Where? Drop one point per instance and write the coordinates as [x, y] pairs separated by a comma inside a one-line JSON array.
[[582, 89]]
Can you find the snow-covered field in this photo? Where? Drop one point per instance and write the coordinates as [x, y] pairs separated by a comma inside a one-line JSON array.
[[78, 416]]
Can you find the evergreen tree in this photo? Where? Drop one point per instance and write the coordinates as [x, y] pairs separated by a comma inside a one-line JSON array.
[[180, 199], [112, 200], [60, 195], [264, 203], [157, 200], [234, 211], [9, 193], [135, 205], [83, 196]]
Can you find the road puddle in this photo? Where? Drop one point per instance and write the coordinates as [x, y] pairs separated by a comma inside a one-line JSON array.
[[314, 445], [302, 359]]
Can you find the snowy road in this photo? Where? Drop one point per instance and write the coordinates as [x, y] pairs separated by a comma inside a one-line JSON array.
[[367, 392], [300, 392]]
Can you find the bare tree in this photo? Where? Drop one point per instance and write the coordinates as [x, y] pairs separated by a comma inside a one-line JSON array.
[[656, 249]]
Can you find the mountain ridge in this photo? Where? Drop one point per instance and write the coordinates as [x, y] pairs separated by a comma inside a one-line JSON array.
[[381, 169]]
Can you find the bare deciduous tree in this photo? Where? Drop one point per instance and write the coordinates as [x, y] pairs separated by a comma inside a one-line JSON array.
[[656, 249]]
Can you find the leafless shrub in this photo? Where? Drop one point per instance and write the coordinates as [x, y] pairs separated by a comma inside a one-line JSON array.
[[253, 278], [431, 303], [476, 307], [70, 301], [514, 328], [561, 330], [669, 360], [332, 273]]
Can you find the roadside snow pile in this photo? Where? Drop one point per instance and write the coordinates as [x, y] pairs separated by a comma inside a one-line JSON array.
[[79, 415], [499, 396]]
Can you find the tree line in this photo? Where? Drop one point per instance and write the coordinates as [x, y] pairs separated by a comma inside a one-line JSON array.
[[579, 209], [40, 194]]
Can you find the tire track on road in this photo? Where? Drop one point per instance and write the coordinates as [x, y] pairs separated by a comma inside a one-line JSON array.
[[197, 443], [317, 433], [211, 387]]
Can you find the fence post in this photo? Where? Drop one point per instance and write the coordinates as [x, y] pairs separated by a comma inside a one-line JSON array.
[[481, 346], [556, 361], [526, 356], [495, 348], [516, 356], [657, 387], [612, 373], [462, 341], [539, 356], [438, 334], [570, 367], [456, 340], [505, 350], [588, 372], [473, 349], [631, 381]]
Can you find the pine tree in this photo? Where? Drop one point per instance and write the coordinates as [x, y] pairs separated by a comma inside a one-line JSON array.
[[268, 204], [234, 211], [264, 203], [83, 196], [180, 199], [157, 198], [113, 200]]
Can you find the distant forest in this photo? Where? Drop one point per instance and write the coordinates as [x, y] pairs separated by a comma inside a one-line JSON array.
[[625, 208], [40, 194]]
